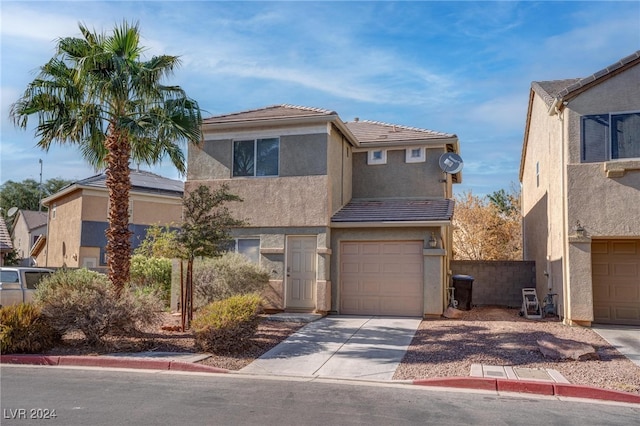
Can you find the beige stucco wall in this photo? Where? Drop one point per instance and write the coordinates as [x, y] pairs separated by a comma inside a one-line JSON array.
[[23, 238], [543, 199], [95, 205], [339, 171], [572, 191], [276, 201], [63, 242], [397, 178], [149, 210]]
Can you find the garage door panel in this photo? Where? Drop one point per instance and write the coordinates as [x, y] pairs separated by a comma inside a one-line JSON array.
[[399, 305], [624, 247], [625, 270], [616, 281], [387, 280]]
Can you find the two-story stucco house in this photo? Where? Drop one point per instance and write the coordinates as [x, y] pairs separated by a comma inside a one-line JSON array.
[[78, 218], [580, 175], [341, 213], [28, 226]]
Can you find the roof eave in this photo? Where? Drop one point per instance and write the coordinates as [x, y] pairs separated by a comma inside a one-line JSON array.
[[391, 224], [238, 124]]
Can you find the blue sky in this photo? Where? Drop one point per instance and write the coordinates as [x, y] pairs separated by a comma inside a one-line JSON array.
[[454, 67]]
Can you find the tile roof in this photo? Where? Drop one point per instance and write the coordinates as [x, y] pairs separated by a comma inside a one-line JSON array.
[[141, 181], [566, 89], [395, 210], [269, 113], [5, 238], [376, 132]]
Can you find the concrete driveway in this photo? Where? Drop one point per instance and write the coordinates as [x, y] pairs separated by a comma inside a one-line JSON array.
[[625, 338], [341, 346]]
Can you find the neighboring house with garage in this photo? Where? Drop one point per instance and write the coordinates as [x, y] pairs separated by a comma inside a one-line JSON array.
[[78, 218], [28, 226], [341, 213], [580, 175]]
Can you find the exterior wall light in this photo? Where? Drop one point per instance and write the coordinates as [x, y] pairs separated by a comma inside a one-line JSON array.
[[580, 231], [433, 243]]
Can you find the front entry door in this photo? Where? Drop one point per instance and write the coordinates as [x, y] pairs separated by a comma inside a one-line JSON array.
[[301, 273]]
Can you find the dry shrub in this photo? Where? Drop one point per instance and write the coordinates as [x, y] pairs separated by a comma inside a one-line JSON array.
[[227, 326], [86, 301], [228, 275], [23, 329]]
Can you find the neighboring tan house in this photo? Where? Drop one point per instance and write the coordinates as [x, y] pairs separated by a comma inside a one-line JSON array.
[[6, 246], [341, 214], [28, 226], [78, 218], [580, 175]]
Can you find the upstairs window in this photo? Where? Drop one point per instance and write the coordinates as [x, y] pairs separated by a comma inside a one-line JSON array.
[[377, 157], [610, 137], [257, 157], [415, 155]]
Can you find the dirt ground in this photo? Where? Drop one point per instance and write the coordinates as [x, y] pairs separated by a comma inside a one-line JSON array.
[[440, 348]]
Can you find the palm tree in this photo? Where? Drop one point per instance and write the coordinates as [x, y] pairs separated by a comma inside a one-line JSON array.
[[98, 93]]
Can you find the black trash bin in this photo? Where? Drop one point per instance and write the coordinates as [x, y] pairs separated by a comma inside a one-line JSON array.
[[462, 285]]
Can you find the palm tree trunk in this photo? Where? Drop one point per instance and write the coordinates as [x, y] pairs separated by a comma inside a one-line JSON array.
[[118, 184]]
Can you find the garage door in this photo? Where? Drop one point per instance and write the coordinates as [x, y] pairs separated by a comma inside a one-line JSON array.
[[381, 278], [616, 281]]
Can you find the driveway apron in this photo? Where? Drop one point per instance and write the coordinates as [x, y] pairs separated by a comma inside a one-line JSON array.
[[626, 339], [363, 347]]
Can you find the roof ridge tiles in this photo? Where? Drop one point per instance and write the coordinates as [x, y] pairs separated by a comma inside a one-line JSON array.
[[401, 126]]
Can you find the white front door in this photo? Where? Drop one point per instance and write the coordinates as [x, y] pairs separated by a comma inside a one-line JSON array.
[[301, 273]]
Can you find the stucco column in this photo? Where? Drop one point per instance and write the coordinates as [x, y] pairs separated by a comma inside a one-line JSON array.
[[579, 282], [434, 282]]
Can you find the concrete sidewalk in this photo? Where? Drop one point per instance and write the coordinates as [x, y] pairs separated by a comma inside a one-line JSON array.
[[625, 338], [362, 347]]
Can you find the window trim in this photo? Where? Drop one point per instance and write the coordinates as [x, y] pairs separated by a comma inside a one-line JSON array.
[[371, 160], [255, 155], [421, 158]]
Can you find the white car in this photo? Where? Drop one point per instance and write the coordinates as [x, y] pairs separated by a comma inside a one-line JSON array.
[[17, 283]]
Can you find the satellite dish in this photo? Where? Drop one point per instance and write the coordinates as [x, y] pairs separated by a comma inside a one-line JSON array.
[[12, 211], [450, 163]]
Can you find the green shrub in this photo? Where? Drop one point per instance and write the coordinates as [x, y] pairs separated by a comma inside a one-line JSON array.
[[23, 329], [226, 326], [153, 274], [228, 275], [86, 301]]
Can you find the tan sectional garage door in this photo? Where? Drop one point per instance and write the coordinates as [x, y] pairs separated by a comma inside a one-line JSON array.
[[616, 281], [381, 278]]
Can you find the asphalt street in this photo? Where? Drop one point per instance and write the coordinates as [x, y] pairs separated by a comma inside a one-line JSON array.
[[133, 397]]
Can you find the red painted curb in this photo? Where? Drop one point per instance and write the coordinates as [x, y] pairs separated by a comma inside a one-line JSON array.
[[581, 391], [481, 383], [114, 362], [190, 366], [29, 359], [525, 386]]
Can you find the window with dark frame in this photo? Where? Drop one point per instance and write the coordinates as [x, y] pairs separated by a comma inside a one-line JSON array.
[[610, 137], [256, 157]]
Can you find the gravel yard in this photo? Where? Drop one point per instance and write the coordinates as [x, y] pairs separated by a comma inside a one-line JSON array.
[[496, 336]]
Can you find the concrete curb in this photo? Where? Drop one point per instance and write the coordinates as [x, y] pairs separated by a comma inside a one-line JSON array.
[[526, 386], [477, 383], [108, 361]]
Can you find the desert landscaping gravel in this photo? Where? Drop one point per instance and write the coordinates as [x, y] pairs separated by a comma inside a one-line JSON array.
[[500, 337]]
